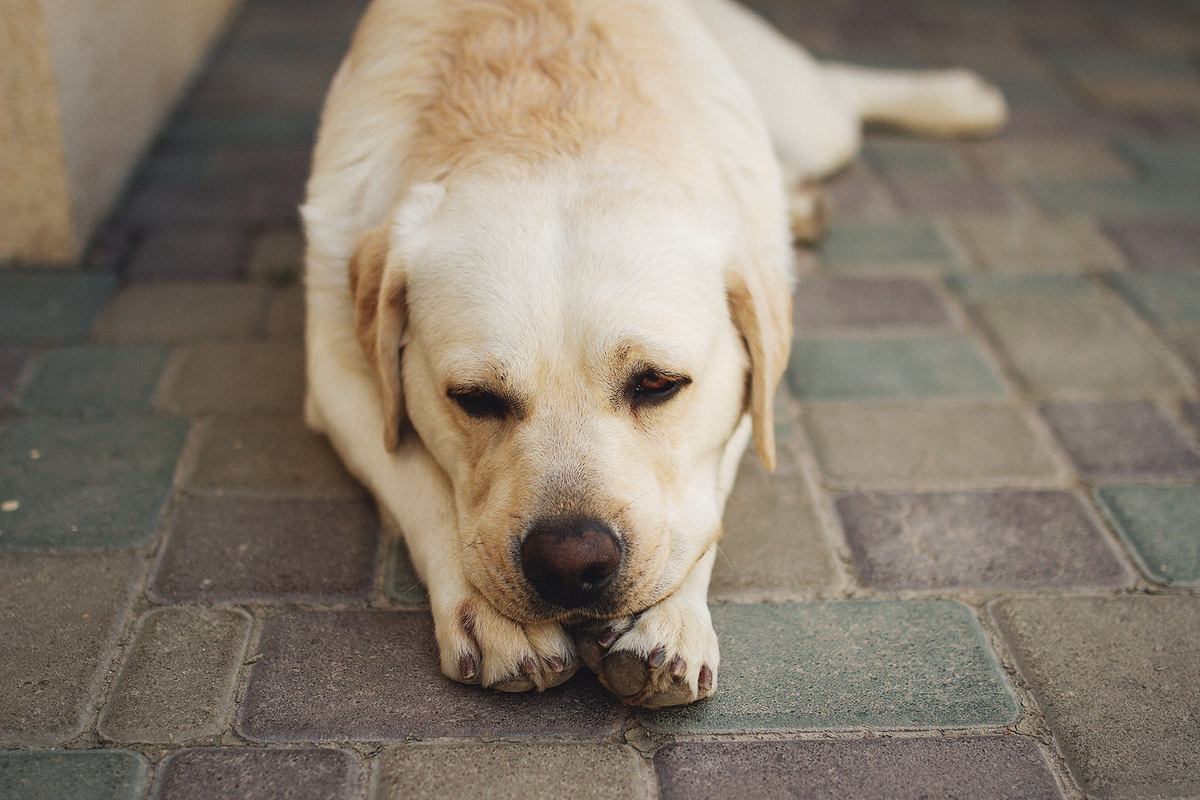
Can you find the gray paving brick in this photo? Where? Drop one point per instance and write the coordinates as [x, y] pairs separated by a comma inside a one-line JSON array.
[[234, 376], [1159, 245], [1065, 346], [12, 366], [1122, 441], [72, 775], [890, 156], [889, 368], [984, 768], [1164, 298], [773, 539], [372, 675], [1066, 160], [1116, 679], [46, 308], [179, 677], [951, 195], [982, 540], [402, 583], [242, 549], [86, 483], [862, 445], [276, 255], [514, 772], [1021, 243], [93, 380], [1001, 286], [285, 313], [1161, 526], [846, 665], [886, 246], [60, 616], [229, 773], [823, 303], [214, 253], [266, 452], [181, 312]]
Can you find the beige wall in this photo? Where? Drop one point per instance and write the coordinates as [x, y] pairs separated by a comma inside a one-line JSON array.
[[86, 83]]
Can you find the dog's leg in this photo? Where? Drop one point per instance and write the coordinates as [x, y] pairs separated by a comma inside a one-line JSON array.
[[665, 656], [935, 102], [477, 644]]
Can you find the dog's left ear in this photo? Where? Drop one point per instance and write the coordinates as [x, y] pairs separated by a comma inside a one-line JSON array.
[[760, 303]]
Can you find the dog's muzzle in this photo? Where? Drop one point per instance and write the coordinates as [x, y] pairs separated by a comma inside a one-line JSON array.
[[570, 563]]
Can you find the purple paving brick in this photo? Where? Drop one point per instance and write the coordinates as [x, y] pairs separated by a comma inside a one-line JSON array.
[[982, 768], [1159, 245], [949, 195], [828, 303], [242, 549], [991, 540], [12, 362], [183, 254], [375, 675], [236, 377], [227, 773], [1122, 440]]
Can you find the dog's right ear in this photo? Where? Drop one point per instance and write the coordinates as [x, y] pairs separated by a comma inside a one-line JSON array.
[[378, 287], [380, 312]]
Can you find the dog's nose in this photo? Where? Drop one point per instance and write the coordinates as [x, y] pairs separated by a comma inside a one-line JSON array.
[[570, 563]]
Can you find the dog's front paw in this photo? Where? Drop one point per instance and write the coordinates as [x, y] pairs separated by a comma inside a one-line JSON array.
[[481, 646], [665, 656]]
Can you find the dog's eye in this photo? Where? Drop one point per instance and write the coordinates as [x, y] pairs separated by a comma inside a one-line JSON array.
[[480, 403], [653, 387]]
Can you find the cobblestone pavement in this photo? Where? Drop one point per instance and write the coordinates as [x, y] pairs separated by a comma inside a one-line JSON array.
[[973, 575]]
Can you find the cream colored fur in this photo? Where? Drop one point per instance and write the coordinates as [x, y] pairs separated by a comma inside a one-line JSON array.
[[543, 201]]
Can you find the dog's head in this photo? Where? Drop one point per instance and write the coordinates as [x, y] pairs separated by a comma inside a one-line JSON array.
[[577, 363]]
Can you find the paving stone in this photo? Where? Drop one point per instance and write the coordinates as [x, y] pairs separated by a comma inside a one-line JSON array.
[[1117, 201], [12, 366], [1170, 162], [172, 313], [1161, 527], [86, 483], [235, 376], [514, 772], [375, 675], [285, 313], [867, 445], [1159, 245], [857, 194], [889, 368], [229, 773], [212, 253], [844, 665], [93, 380], [1164, 298], [1027, 244], [773, 539], [1070, 160], [276, 255], [1122, 440], [822, 303], [47, 308], [978, 540], [264, 452], [984, 767], [179, 678], [926, 196], [243, 549], [912, 156], [402, 583], [1077, 345], [999, 285], [72, 775], [886, 246], [1116, 680], [60, 615]]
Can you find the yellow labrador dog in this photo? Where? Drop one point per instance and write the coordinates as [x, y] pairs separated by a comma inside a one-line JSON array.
[[548, 304]]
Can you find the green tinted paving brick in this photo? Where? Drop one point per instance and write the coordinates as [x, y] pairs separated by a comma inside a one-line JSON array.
[[42, 307], [992, 285], [888, 246], [72, 775], [1161, 525], [889, 369], [1115, 678], [85, 483], [93, 380], [842, 665], [59, 616], [1165, 298]]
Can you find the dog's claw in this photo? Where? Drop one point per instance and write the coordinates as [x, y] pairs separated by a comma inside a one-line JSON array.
[[468, 668]]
